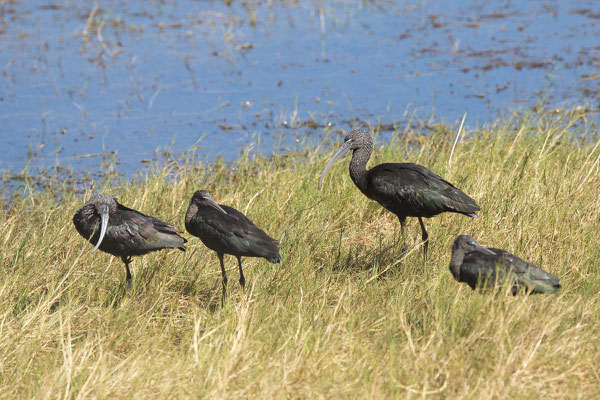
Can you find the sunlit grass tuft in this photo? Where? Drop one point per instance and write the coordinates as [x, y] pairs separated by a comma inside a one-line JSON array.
[[342, 315]]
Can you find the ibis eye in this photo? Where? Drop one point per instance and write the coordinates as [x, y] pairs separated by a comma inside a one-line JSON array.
[[472, 243]]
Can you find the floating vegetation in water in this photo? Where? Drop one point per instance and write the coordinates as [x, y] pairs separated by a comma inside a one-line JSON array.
[[130, 77]]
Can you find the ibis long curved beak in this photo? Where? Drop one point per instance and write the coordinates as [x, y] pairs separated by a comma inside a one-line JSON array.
[[214, 205], [484, 249], [338, 154], [103, 226]]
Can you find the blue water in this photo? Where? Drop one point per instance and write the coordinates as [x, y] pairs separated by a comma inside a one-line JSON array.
[[157, 75]]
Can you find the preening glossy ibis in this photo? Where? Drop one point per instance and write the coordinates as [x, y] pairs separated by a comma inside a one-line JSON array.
[[405, 189], [476, 265], [123, 232], [225, 230]]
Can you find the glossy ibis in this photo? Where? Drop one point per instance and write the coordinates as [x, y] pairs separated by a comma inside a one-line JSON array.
[[405, 189], [123, 232], [225, 230], [477, 265]]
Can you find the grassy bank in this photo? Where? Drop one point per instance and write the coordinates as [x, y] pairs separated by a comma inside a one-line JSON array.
[[342, 315]]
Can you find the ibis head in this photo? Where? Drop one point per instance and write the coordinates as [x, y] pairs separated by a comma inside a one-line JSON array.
[[100, 205], [356, 139], [203, 199], [462, 245]]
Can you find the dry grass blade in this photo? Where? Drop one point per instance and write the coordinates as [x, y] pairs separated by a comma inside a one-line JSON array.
[[344, 315]]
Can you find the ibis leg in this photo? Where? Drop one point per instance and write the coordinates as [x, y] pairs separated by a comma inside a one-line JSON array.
[[402, 229], [242, 279], [127, 261], [224, 275], [424, 236]]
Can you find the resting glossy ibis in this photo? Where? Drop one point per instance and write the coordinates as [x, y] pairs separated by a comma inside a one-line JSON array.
[[405, 189], [477, 265], [225, 230], [123, 232]]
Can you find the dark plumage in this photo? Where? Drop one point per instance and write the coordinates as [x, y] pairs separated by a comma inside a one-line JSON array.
[[122, 231], [225, 230], [405, 189], [477, 265]]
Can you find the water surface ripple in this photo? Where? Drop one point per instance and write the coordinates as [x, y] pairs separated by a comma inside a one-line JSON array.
[[84, 82]]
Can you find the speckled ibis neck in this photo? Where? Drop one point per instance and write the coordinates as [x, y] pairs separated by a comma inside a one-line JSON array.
[[458, 255], [358, 164], [191, 211]]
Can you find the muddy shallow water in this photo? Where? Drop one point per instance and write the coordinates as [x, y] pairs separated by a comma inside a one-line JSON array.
[[83, 84]]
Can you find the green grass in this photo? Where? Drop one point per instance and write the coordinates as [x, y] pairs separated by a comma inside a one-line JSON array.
[[343, 315]]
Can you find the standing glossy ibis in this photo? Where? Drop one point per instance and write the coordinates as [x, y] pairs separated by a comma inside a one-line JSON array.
[[477, 265], [123, 232], [225, 230], [405, 189]]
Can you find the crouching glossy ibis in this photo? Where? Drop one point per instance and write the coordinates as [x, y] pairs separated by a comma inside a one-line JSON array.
[[225, 230], [405, 189], [122, 231], [477, 265]]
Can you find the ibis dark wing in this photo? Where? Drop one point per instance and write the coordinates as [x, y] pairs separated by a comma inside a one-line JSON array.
[[132, 232], [234, 222], [526, 273], [147, 220], [233, 233], [479, 267], [412, 190]]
